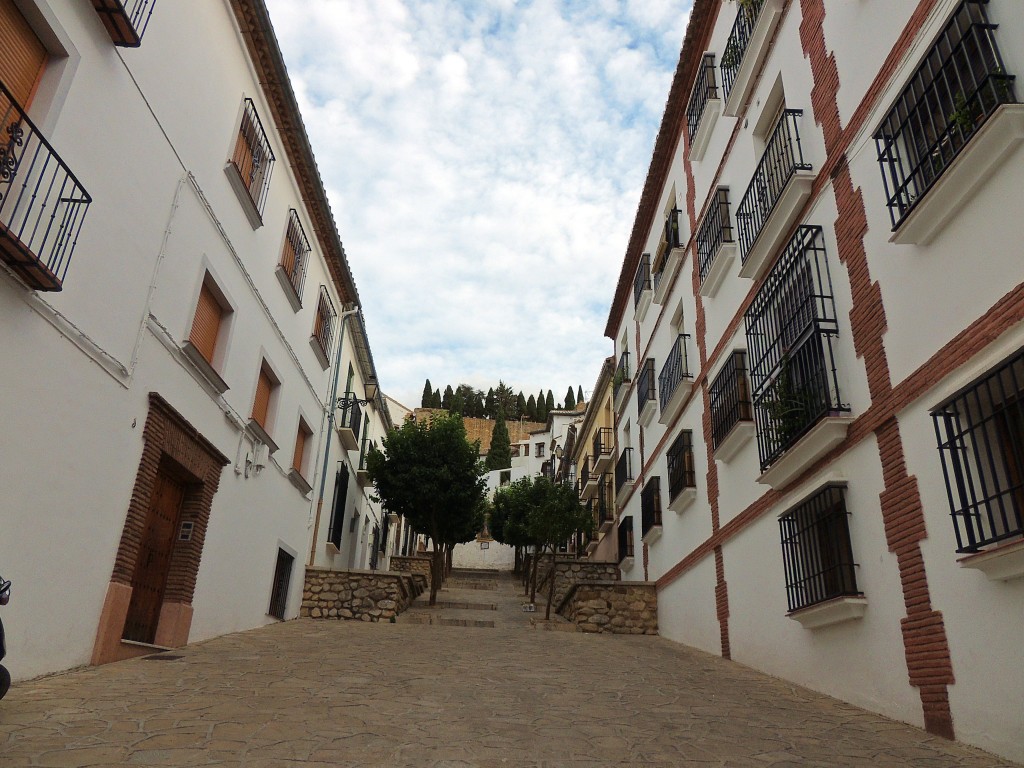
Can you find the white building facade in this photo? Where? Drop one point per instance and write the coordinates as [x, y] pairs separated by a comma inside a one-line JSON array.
[[819, 323], [178, 317]]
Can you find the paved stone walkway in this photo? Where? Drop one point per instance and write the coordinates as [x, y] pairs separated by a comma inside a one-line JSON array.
[[308, 693]]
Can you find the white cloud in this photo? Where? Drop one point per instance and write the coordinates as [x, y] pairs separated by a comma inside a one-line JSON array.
[[484, 161]]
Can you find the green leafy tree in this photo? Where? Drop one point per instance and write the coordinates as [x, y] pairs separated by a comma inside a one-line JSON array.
[[429, 472], [555, 516], [570, 399], [428, 395], [509, 515], [499, 456], [531, 408]]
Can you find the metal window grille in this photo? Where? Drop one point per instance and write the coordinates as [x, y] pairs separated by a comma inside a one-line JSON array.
[[603, 443], [674, 229], [642, 279], [681, 474], [650, 505], [959, 83], [585, 470], [375, 547], [336, 528], [739, 40], [624, 469], [282, 579], [783, 156], [296, 253], [605, 513], [675, 369], [625, 538], [351, 414], [816, 550], [714, 231], [980, 434], [705, 89], [789, 327], [125, 20], [323, 325], [645, 384], [729, 395], [622, 372], [42, 203], [253, 156]]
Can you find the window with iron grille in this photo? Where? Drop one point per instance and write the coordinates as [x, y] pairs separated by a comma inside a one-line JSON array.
[[816, 550], [650, 505], [282, 580], [645, 384], [323, 324], [704, 89], [681, 473], [739, 40], [959, 83], [790, 326], [624, 469], [622, 372], [714, 232], [295, 253], [539, 450], [729, 394], [125, 20], [625, 537], [252, 156], [642, 279], [980, 434], [675, 370], [336, 528]]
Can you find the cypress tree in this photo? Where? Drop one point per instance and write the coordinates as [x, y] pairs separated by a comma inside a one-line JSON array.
[[570, 400], [446, 401], [531, 408], [428, 395], [489, 410], [436, 402], [499, 455], [520, 405], [542, 408], [579, 395], [549, 404]]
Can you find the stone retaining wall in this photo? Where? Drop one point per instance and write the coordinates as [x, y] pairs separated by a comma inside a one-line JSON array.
[[620, 607], [569, 572], [412, 564], [359, 595]]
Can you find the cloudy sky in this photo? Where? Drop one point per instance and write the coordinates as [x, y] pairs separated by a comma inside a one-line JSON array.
[[484, 160]]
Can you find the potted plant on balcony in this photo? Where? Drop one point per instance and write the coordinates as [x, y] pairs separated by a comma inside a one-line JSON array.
[[789, 405]]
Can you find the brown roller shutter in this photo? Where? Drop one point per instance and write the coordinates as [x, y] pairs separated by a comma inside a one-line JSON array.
[[300, 449], [288, 257], [261, 403], [242, 157], [206, 324], [22, 55]]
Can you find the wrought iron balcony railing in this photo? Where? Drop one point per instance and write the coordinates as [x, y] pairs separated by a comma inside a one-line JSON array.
[[625, 538], [675, 370], [672, 238], [729, 394], [624, 469], [681, 474], [642, 279], [622, 373], [789, 326], [645, 384], [650, 505], [585, 471], [705, 88], [603, 443], [783, 156], [605, 511], [295, 254], [714, 231], [739, 40], [959, 83], [125, 20], [351, 414], [42, 203], [323, 326]]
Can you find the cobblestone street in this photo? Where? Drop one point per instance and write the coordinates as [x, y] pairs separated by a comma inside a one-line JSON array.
[[475, 682]]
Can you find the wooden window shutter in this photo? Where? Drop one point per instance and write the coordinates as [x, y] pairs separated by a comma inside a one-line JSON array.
[[22, 55], [206, 324], [242, 157], [300, 448], [261, 404], [288, 257]]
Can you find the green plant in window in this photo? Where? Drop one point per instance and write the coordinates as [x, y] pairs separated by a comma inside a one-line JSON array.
[[962, 115], [732, 55], [788, 404]]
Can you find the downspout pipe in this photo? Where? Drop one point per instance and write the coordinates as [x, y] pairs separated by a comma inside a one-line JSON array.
[[331, 408]]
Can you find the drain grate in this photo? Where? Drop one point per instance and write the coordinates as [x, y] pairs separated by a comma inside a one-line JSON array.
[[163, 657]]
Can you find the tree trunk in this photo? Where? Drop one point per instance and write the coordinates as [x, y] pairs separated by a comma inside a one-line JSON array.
[[551, 588], [449, 554], [435, 573], [533, 581]]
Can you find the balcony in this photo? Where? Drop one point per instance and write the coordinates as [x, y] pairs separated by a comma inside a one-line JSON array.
[[670, 253], [42, 204], [716, 248], [620, 381], [682, 479], [746, 50], [624, 471], [362, 473], [350, 422], [625, 537], [605, 508], [732, 414], [642, 292], [125, 21], [675, 380], [790, 325], [778, 189], [291, 271], [647, 403], [650, 509], [603, 448], [950, 129], [590, 478], [703, 108]]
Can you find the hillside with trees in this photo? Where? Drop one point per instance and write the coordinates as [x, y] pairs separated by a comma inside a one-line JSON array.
[[468, 401]]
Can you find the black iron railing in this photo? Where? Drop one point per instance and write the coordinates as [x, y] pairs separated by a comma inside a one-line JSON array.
[[125, 20], [323, 326], [253, 158], [296, 253], [642, 279], [672, 239], [42, 203], [351, 414], [605, 511], [624, 469], [585, 471], [739, 40], [645, 384], [729, 394], [714, 231], [783, 156], [625, 538], [980, 434], [650, 505], [959, 83], [281, 583], [681, 474], [622, 372], [790, 325], [816, 550], [604, 442], [675, 370], [704, 89]]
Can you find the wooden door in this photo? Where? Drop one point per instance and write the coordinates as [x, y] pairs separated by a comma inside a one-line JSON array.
[[154, 558]]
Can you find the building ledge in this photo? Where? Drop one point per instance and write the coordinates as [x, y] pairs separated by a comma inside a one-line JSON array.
[[602, 462], [299, 481], [262, 435], [834, 611], [362, 476], [738, 436], [699, 141], [721, 264], [252, 213], [318, 350], [289, 290], [652, 535], [646, 415], [823, 437], [1001, 563], [217, 384], [668, 274], [978, 161], [348, 439], [675, 403], [777, 225], [621, 395], [683, 499], [626, 563], [753, 56], [643, 304]]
